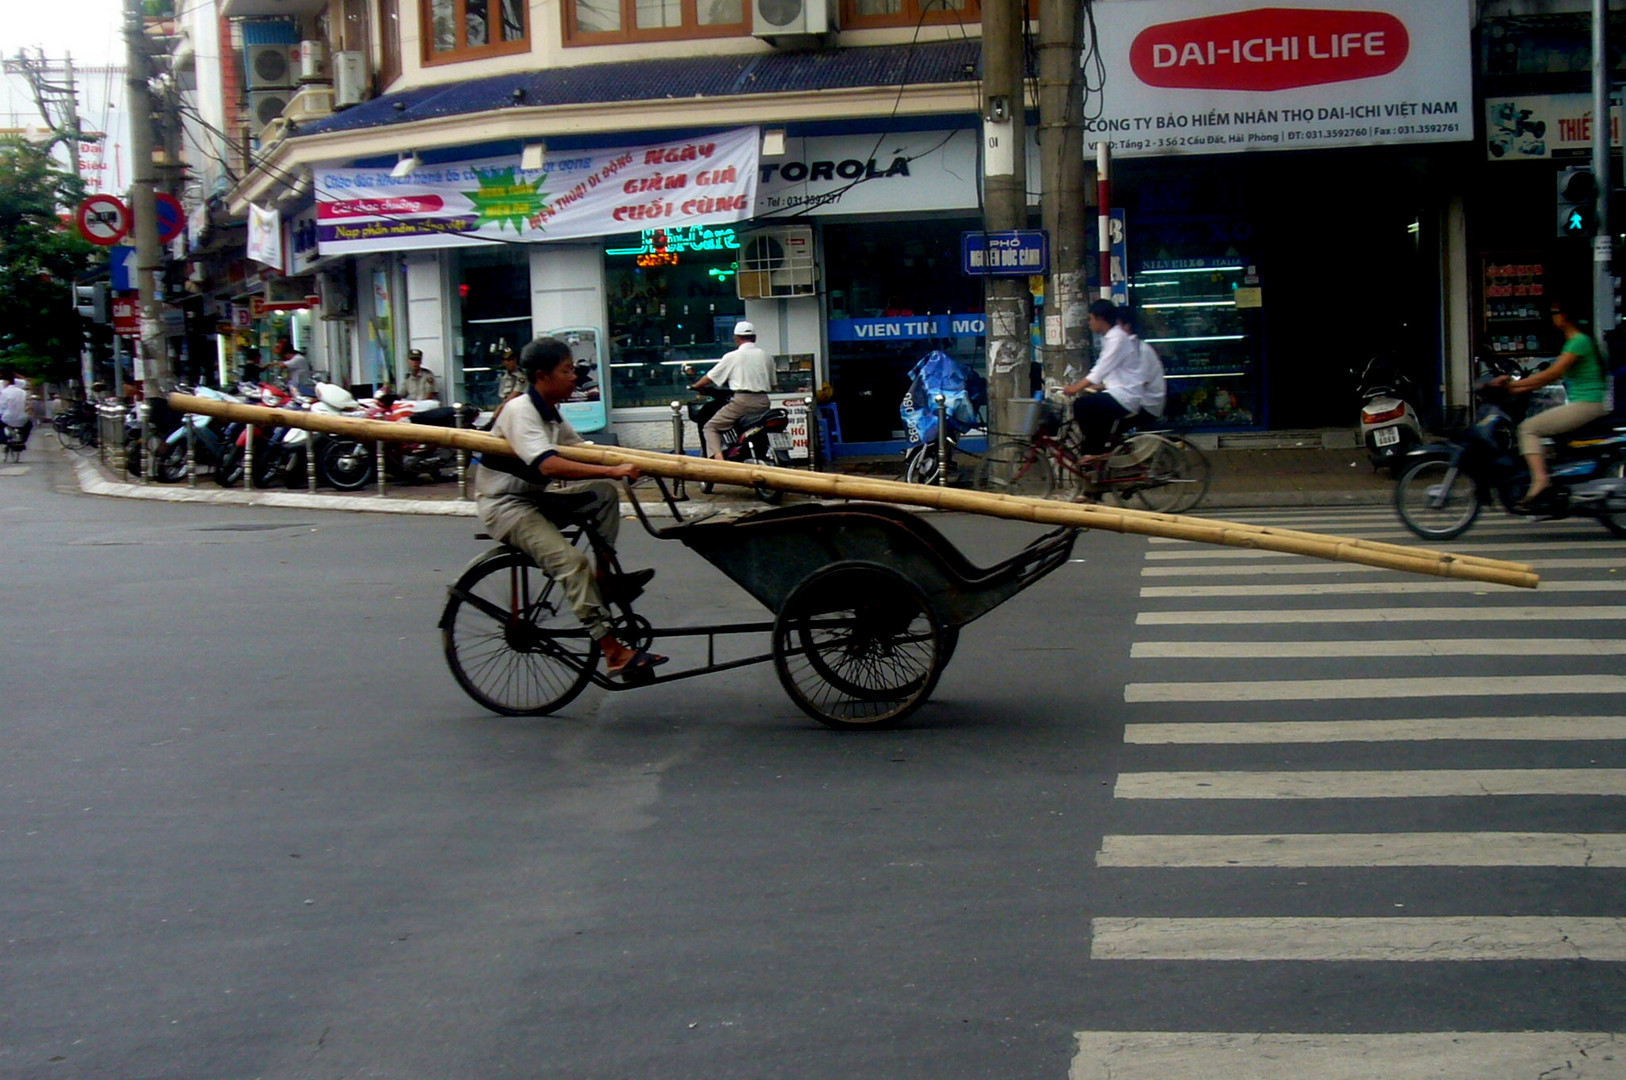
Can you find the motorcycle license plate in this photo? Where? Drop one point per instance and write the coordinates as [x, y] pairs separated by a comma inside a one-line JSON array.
[[1386, 436], [780, 440]]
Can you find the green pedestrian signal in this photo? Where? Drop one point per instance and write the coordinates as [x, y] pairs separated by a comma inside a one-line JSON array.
[[1577, 203]]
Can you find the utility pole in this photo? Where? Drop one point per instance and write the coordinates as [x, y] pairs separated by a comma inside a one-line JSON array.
[[151, 349], [1004, 186], [73, 132], [1603, 291], [1061, 198]]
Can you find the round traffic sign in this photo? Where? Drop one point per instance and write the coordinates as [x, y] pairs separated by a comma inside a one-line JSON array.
[[171, 218], [103, 219]]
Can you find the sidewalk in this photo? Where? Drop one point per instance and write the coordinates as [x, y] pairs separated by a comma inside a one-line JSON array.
[[1294, 474]]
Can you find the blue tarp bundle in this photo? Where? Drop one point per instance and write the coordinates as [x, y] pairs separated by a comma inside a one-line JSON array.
[[965, 394]]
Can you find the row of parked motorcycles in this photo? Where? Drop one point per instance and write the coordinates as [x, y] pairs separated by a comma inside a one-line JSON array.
[[283, 455]]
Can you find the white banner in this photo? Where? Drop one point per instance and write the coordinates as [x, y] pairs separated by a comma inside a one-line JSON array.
[[1222, 76], [576, 193], [1543, 126], [265, 237]]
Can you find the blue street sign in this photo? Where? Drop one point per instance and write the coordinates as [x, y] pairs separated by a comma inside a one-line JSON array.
[[1018, 253], [122, 264]]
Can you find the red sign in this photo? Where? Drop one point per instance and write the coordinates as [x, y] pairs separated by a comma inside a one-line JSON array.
[[1270, 49], [259, 308], [126, 316], [103, 219]]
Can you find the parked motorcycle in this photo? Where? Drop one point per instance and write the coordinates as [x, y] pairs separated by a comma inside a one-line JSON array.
[[754, 440], [1389, 426], [349, 463], [1442, 490], [210, 438]]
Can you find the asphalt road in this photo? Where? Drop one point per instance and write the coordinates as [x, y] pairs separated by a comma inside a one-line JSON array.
[[251, 827]]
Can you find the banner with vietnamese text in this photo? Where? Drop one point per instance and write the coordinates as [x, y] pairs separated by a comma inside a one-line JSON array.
[[576, 193]]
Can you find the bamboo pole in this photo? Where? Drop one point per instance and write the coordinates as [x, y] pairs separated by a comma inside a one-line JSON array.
[[1039, 511]]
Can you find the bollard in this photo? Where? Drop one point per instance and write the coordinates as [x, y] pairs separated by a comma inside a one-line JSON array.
[[248, 457], [378, 452], [678, 490], [815, 446], [143, 411], [462, 454], [191, 452], [942, 440], [310, 461]]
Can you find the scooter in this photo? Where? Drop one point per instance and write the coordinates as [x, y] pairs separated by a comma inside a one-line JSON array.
[[1389, 426], [210, 438], [1441, 492], [753, 440]]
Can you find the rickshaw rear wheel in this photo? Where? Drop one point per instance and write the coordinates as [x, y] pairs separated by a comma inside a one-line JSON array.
[[857, 646], [512, 642]]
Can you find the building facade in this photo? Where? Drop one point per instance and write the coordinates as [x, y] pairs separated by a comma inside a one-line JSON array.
[[431, 174]]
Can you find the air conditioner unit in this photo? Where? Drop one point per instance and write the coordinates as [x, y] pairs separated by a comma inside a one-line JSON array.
[[776, 263], [271, 67], [311, 103], [265, 106], [349, 79], [779, 18], [312, 62]]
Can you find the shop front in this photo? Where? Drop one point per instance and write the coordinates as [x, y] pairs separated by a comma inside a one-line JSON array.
[[1290, 209]]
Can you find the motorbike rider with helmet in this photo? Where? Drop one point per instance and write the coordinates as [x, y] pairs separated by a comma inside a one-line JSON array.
[[748, 371], [1582, 371]]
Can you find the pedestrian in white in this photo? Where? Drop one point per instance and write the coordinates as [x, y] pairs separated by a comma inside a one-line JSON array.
[[748, 371]]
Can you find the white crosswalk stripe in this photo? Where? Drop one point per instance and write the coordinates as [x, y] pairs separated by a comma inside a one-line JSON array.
[[1213, 591], [1244, 617], [1426, 1055], [1236, 650], [1366, 849], [1429, 729]]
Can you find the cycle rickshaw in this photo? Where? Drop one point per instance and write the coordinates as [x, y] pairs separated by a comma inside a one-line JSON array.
[[867, 599]]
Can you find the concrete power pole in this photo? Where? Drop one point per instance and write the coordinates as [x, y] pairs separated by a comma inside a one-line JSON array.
[[1061, 199], [151, 348], [1005, 299], [1603, 291]]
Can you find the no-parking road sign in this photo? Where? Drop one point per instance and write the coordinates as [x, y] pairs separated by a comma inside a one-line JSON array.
[[103, 219]]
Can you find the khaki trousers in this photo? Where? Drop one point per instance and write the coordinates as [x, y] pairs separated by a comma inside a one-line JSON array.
[[567, 564], [743, 403], [1557, 421]]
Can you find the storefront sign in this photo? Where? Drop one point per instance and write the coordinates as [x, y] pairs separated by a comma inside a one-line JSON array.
[[1543, 126], [241, 317], [908, 327], [1017, 253], [678, 184], [863, 174], [1222, 76], [1118, 255], [265, 236]]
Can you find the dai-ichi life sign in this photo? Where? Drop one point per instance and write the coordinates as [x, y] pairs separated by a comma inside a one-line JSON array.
[[1216, 76]]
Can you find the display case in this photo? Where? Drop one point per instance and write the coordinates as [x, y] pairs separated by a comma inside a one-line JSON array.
[[1513, 319], [1203, 317]]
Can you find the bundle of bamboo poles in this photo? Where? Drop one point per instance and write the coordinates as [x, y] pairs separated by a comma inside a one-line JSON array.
[[836, 486]]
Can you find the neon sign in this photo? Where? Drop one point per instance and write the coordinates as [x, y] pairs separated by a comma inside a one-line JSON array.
[[676, 241]]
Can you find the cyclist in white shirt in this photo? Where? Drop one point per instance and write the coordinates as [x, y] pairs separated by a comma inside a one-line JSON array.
[[1115, 386]]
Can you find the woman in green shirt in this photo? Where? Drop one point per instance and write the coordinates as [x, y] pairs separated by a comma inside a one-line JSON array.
[[1578, 365]]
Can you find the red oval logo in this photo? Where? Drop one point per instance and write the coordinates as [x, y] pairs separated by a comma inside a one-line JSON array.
[[1270, 49]]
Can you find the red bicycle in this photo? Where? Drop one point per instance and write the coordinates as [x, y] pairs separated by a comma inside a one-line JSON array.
[[1160, 469]]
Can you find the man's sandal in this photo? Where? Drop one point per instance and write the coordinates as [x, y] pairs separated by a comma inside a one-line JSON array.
[[641, 664]]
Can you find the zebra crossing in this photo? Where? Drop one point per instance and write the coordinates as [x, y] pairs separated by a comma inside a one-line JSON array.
[[1494, 712]]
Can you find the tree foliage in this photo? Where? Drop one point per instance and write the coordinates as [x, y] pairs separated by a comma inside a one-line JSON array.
[[41, 255]]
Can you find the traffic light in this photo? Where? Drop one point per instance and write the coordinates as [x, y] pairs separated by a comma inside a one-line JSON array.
[[1577, 203], [94, 302]]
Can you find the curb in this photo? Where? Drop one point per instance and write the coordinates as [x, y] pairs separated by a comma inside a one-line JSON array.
[[93, 481]]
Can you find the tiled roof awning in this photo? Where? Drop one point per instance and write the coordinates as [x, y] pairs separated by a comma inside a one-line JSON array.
[[653, 80]]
